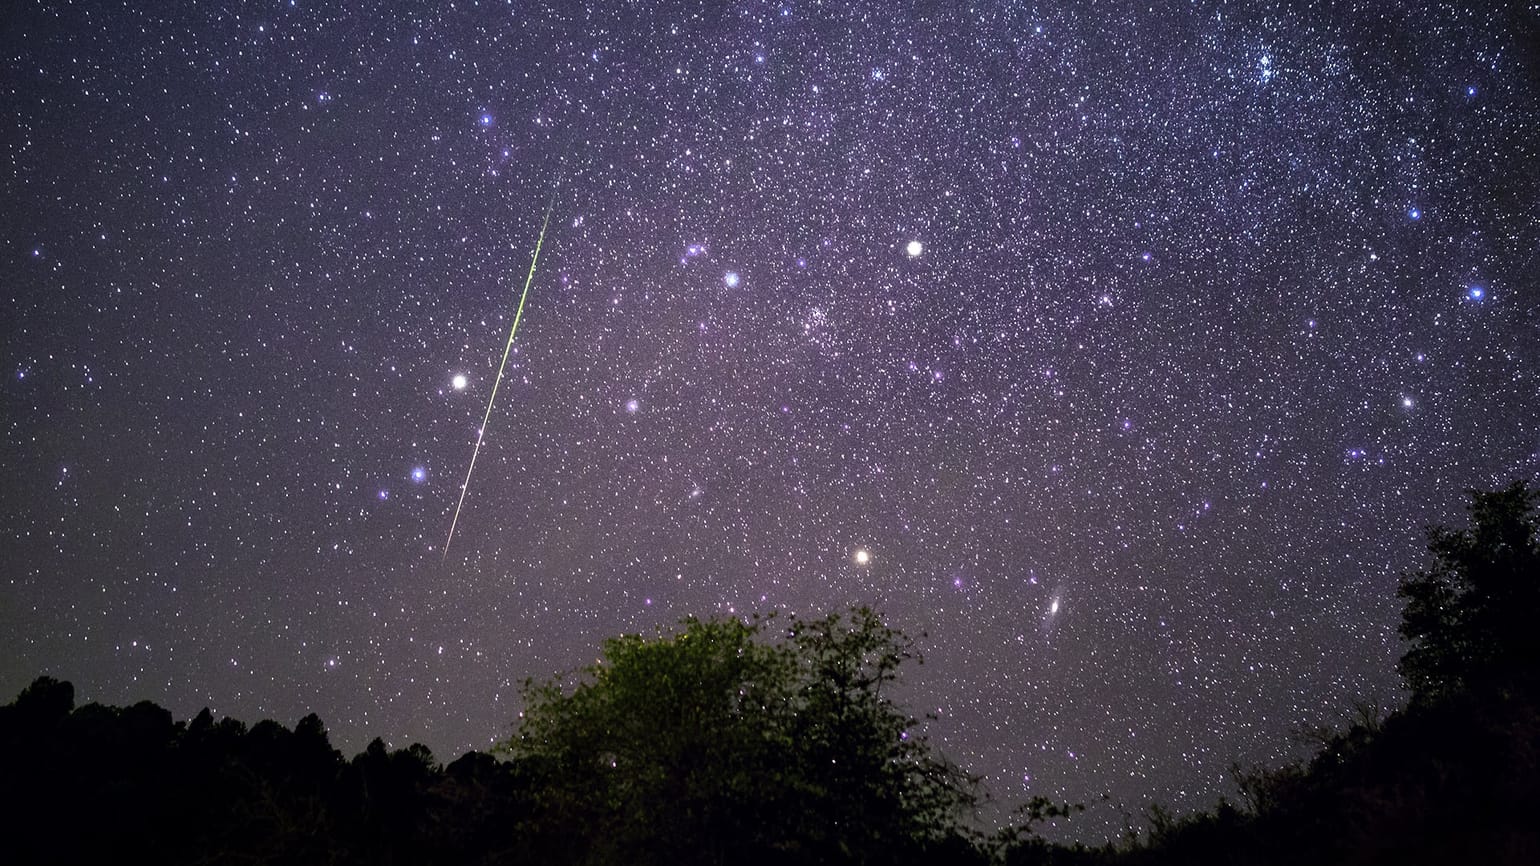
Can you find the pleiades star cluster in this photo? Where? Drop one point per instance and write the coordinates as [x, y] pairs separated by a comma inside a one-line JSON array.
[[1119, 355]]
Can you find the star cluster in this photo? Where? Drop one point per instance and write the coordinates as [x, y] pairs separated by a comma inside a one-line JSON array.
[[1122, 354]]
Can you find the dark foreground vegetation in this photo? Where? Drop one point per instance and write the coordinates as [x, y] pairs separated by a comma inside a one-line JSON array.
[[773, 742]]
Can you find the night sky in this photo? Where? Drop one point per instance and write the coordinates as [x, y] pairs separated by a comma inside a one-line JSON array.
[[1122, 354]]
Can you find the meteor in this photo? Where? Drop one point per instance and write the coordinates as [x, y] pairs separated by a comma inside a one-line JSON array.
[[482, 432]]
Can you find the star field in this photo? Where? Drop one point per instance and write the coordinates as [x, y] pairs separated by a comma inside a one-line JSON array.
[[1121, 353]]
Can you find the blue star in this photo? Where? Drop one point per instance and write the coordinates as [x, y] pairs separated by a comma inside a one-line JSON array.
[[485, 119], [419, 474], [1475, 293], [1414, 213], [731, 279]]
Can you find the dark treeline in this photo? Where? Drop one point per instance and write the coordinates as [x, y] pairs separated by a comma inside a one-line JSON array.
[[773, 741]]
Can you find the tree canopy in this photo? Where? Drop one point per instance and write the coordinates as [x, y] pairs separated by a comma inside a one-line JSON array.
[[1472, 619], [778, 740], [757, 741]]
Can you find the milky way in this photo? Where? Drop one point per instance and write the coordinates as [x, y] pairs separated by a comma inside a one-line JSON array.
[[1120, 354]]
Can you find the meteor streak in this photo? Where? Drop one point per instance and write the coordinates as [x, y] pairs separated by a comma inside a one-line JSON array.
[[481, 433]]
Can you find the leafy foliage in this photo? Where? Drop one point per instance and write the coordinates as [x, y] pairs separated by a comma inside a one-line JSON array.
[[769, 741], [775, 741], [718, 743], [1471, 618], [1451, 778]]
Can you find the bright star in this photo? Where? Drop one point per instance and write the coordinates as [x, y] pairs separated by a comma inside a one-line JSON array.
[[731, 279], [419, 474], [632, 405], [1414, 213], [1475, 293], [862, 556], [914, 249], [459, 382]]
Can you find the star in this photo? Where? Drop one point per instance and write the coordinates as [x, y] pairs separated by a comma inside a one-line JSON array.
[[369, 230]]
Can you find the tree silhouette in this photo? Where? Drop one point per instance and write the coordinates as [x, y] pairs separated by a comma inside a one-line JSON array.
[[717, 744], [1473, 618], [778, 741], [39, 707]]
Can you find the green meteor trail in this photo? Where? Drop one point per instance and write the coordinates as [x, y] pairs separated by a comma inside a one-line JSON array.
[[481, 433]]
